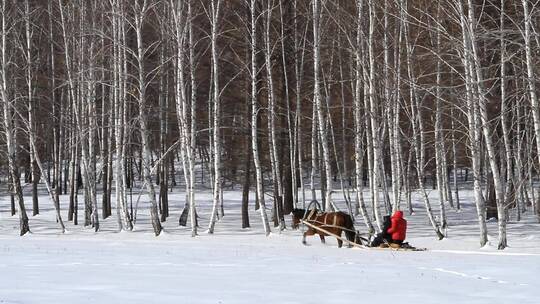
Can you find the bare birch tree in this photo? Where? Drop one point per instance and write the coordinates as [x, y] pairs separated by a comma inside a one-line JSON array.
[[140, 11], [8, 115], [214, 12]]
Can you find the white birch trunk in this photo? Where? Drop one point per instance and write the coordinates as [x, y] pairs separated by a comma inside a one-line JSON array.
[[290, 123], [119, 108], [358, 139], [254, 114], [34, 156], [215, 6], [397, 177], [486, 129], [474, 131], [141, 11], [440, 153], [417, 124], [8, 104], [509, 181], [90, 101], [272, 140], [454, 164], [29, 82], [374, 115], [314, 154], [299, 71], [193, 127], [531, 79], [75, 95], [318, 103]]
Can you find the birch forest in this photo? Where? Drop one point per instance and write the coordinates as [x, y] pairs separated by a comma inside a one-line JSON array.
[[117, 103]]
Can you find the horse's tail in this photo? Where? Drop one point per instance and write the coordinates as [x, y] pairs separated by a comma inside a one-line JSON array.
[[350, 232]]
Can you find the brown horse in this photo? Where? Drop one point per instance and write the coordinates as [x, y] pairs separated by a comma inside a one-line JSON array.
[[333, 222]]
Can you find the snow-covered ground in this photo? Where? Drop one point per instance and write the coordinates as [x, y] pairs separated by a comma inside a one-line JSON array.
[[237, 265]]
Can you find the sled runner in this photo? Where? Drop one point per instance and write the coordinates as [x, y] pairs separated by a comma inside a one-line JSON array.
[[403, 247]]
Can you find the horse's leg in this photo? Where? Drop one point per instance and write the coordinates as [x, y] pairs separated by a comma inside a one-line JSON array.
[[340, 233], [308, 232], [339, 242], [322, 238]]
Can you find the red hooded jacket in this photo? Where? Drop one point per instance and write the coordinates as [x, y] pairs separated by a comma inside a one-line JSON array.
[[399, 227]]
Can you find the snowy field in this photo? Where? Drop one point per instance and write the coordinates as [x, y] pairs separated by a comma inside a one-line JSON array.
[[243, 266]]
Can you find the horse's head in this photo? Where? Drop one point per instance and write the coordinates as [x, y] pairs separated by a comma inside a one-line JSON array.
[[297, 216]]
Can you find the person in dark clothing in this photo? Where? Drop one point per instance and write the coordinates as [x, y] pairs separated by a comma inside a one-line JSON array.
[[383, 235], [398, 228]]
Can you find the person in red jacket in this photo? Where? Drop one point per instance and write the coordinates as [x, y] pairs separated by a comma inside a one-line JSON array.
[[398, 228]]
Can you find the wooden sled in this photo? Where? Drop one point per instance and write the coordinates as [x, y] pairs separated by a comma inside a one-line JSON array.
[[397, 247]]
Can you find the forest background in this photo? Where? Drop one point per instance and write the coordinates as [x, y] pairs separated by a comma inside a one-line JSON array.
[[283, 97]]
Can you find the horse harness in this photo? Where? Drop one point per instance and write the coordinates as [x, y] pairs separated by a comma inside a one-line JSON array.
[[323, 224], [313, 212]]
